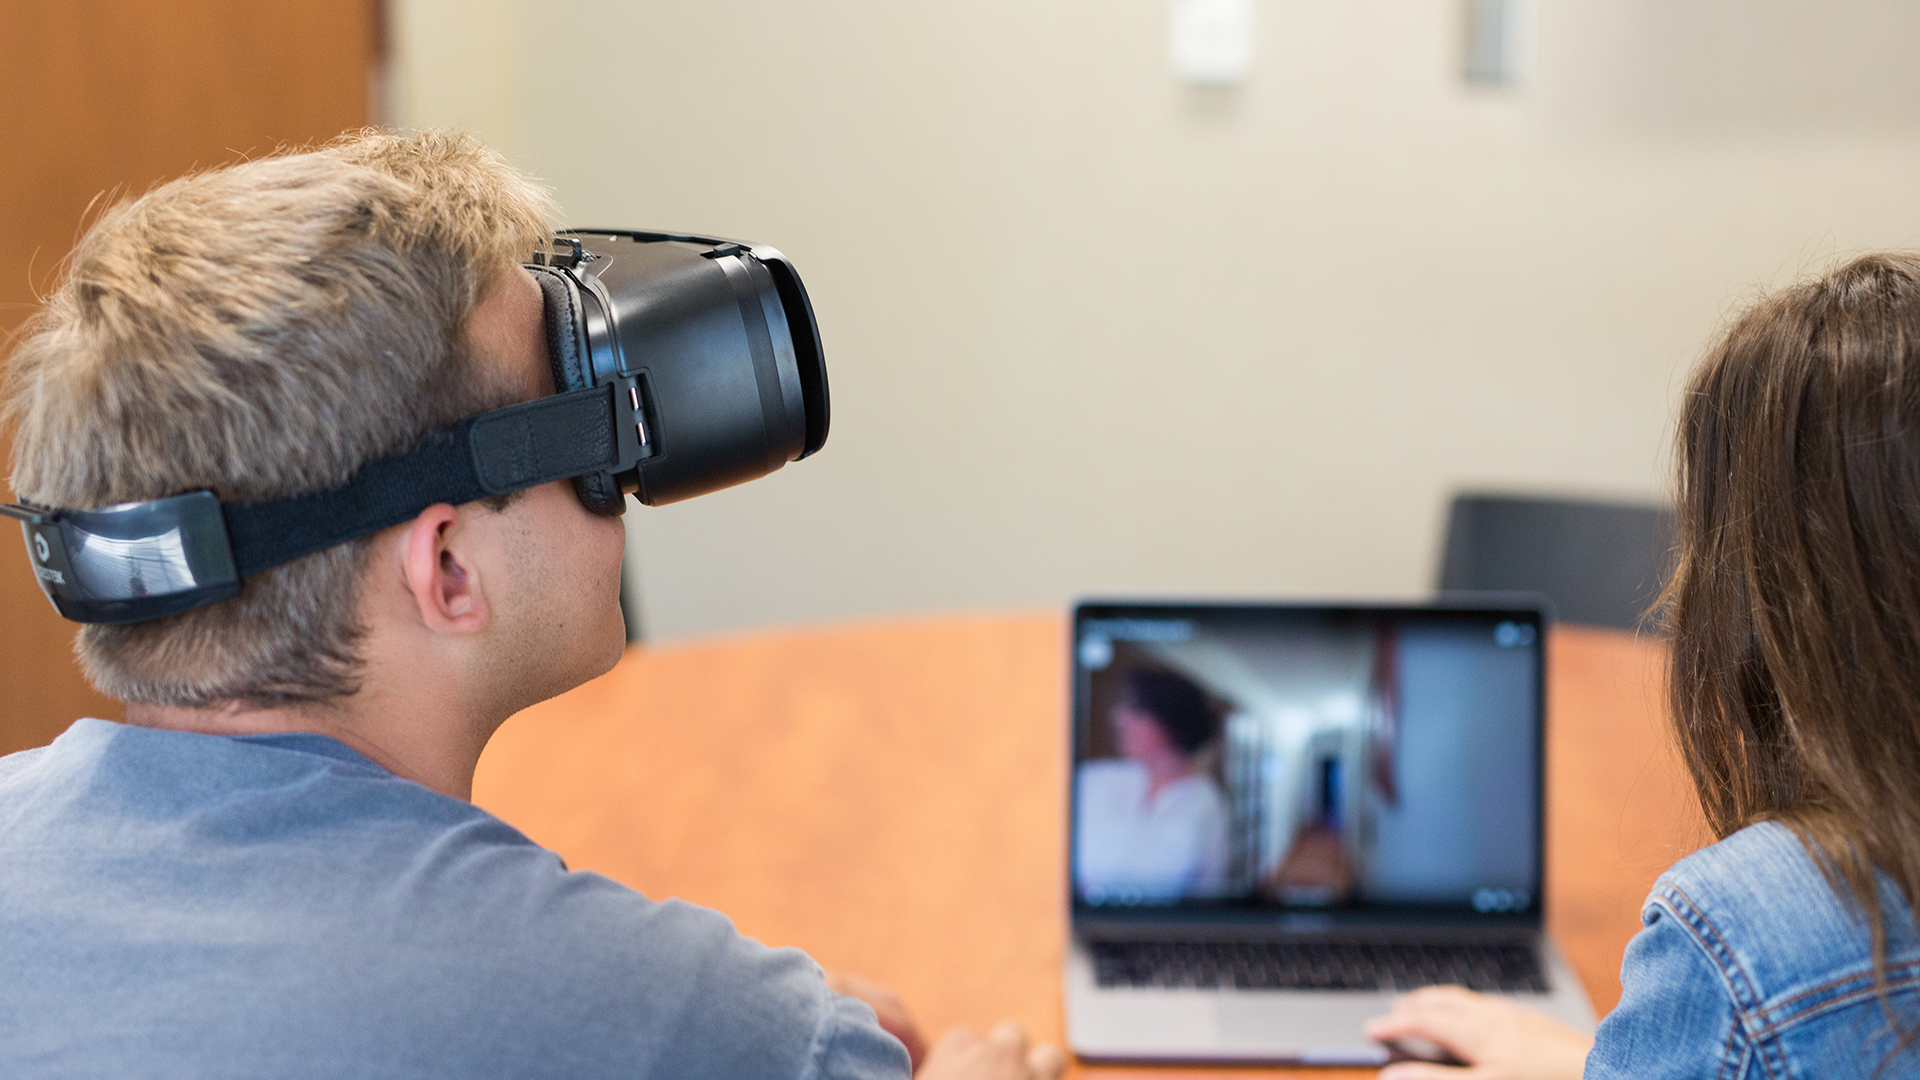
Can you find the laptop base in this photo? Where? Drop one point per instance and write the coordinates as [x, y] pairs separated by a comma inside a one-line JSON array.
[[1302, 1027]]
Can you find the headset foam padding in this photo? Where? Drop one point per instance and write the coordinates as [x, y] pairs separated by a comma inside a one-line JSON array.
[[573, 370]]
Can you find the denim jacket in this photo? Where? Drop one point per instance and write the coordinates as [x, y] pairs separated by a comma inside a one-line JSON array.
[[1749, 966]]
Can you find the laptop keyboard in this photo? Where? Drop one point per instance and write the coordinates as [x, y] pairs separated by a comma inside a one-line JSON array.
[[1321, 965]]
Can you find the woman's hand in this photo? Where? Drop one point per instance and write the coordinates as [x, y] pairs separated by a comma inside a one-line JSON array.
[[1497, 1039], [892, 1013], [1002, 1055], [961, 1055]]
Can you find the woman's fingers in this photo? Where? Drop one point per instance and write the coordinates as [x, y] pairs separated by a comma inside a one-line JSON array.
[[1046, 1062], [1424, 1070], [1002, 1055], [1451, 1017], [1009, 1036], [1498, 1039]]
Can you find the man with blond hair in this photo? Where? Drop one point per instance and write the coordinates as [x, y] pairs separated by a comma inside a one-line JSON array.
[[272, 868]]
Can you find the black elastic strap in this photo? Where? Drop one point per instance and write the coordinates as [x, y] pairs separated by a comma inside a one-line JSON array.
[[495, 453]]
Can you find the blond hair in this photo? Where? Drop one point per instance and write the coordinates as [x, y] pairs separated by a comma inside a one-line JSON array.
[[264, 330]]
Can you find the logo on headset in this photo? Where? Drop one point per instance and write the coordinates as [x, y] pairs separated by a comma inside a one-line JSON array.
[[41, 553]]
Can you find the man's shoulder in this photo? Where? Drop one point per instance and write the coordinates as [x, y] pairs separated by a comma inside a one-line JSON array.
[[20, 762], [306, 842], [83, 730], [397, 917], [231, 794]]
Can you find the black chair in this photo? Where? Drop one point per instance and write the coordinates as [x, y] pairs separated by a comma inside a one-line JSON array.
[[1602, 563]]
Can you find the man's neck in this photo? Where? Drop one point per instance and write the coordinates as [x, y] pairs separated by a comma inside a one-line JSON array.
[[426, 745]]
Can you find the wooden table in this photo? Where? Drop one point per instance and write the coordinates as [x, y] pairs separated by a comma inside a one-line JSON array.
[[891, 797]]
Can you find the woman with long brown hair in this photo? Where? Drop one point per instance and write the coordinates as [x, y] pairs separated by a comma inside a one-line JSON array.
[[1788, 948]]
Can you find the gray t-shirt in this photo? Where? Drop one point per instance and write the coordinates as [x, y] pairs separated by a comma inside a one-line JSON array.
[[180, 905]]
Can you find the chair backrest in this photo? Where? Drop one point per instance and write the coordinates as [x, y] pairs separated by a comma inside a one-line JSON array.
[[1602, 563]]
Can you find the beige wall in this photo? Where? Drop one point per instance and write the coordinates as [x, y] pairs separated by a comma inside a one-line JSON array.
[[1093, 330]]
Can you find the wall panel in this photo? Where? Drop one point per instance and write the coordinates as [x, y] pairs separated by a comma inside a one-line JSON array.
[[109, 98]]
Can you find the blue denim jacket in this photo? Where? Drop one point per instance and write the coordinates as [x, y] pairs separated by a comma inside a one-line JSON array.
[[1750, 966]]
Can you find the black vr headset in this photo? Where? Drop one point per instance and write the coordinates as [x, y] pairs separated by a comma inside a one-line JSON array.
[[681, 365]]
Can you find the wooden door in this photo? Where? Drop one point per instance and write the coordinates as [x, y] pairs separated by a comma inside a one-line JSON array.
[[103, 99]]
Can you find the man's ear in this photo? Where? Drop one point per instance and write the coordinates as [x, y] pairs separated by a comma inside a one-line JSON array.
[[441, 574]]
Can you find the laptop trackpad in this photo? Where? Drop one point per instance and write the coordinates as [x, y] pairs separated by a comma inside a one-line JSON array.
[[1317, 1026]]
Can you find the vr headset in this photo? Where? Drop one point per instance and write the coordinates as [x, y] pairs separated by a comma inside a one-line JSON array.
[[681, 365]]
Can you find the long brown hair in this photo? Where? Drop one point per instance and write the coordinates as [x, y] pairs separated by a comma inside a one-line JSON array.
[[1795, 606]]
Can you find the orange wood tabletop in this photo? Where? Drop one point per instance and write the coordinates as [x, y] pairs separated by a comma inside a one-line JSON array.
[[891, 797]]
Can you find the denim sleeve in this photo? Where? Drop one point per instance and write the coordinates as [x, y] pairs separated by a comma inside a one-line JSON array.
[[851, 1045], [1675, 1018]]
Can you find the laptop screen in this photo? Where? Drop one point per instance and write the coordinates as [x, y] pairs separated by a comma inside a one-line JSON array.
[[1340, 759]]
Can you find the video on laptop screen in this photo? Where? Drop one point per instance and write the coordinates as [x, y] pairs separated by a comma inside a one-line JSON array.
[[1307, 757]]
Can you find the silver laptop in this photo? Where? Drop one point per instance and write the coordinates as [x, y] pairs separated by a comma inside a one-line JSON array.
[[1284, 815]]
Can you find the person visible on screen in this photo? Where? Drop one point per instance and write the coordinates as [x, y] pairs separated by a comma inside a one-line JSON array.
[[272, 868], [1152, 823], [1788, 948]]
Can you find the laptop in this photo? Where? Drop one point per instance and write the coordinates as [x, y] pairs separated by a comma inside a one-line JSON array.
[[1284, 815]]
